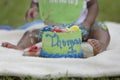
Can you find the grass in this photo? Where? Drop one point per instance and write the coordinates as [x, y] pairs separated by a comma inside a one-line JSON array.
[[109, 10], [12, 11], [64, 78]]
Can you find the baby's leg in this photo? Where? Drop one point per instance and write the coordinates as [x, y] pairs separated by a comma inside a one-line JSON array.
[[100, 37], [9, 45], [28, 39]]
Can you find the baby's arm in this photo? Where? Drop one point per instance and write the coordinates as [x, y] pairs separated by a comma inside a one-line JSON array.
[[92, 6], [32, 11]]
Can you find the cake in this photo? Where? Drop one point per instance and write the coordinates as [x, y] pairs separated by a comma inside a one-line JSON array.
[[62, 44]]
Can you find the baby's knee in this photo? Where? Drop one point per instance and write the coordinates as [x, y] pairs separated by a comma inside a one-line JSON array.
[[31, 32], [99, 25]]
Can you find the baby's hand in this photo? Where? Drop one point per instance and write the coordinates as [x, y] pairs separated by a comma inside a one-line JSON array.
[[31, 14]]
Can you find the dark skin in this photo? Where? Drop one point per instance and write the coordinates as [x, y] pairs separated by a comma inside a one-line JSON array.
[[91, 17], [92, 12], [97, 38]]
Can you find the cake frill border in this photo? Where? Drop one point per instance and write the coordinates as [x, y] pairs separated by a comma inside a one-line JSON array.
[[69, 55]]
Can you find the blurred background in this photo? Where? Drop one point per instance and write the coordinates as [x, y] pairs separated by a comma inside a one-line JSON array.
[[12, 12]]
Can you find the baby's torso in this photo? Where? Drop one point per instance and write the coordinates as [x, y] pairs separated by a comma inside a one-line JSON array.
[[63, 11]]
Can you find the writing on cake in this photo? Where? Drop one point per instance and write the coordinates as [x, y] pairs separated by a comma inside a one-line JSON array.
[[61, 43]]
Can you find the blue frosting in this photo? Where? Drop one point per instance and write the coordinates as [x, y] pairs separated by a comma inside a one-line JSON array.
[[84, 31], [69, 55]]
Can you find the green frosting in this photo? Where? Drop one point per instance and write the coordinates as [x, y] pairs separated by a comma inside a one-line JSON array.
[[60, 11], [104, 26], [62, 43]]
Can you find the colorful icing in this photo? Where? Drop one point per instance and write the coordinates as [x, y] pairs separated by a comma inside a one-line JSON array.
[[104, 26], [47, 28], [74, 28], [57, 30], [57, 55]]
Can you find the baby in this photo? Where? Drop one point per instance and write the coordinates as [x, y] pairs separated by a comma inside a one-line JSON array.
[[97, 33]]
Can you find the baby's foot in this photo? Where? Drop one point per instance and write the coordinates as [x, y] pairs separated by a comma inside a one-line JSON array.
[[32, 51], [9, 45], [97, 46]]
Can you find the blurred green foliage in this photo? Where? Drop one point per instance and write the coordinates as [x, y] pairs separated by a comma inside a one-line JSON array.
[[109, 10], [12, 11]]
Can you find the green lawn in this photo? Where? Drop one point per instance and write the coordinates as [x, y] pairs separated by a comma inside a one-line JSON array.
[[12, 11], [63, 78], [109, 10]]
